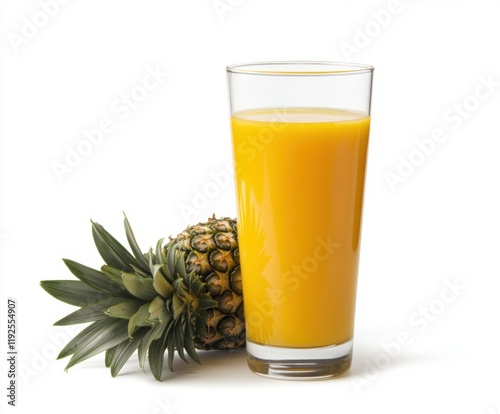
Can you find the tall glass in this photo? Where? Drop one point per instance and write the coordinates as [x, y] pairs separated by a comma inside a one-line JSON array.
[[300, 137]]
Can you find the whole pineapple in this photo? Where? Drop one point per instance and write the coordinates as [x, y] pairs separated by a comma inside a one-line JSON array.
[[184, 295]]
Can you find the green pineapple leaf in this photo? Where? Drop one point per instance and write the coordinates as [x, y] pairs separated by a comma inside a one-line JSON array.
[[160, 283], [89, 313], [124, 351], [113, 274], [81, 337], [111, 250], [143, 263], [170, 347], [179, 338], [139, 319], [151, 335], [156, 353], [108, 355], [124, 309], [73, 292], [112, 332], [140, 287], [95, 278], [189, 341]]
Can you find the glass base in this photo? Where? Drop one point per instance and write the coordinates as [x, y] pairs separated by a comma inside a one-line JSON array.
[[299, 363]]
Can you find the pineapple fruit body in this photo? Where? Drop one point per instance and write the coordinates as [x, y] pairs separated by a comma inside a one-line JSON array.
[[212, 254], [184, 295]]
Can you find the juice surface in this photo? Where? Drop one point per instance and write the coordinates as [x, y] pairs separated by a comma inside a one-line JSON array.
[[300, 179]]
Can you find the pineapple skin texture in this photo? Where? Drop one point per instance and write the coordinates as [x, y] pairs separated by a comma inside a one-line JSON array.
[[212, 254]]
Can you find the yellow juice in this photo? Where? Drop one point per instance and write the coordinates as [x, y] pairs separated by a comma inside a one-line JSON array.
[[300, 179]]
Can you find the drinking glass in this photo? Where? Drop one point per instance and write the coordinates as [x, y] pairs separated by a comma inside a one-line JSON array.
[[300, 137]]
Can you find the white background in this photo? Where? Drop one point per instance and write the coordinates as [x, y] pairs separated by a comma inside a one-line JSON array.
[[438, 225]]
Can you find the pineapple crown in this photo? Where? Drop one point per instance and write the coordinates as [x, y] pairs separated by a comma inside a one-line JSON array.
[[139, 301]]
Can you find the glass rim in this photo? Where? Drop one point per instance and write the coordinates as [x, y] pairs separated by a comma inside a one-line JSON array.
[[299, 68]]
